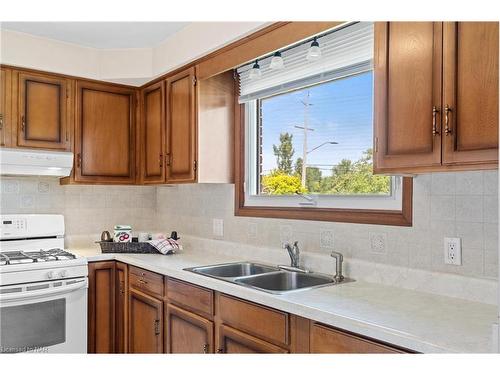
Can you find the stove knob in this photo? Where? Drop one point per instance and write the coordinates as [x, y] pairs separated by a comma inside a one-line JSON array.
[[63, 273], [50, 275]]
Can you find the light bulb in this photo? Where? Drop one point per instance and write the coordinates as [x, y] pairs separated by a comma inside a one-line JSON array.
[[314, 52], [277, 61], [255, 72]]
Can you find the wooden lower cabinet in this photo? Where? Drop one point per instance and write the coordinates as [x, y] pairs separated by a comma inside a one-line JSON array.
[[186, 332], [101, 307], [129, 316], [325, 339], [232, 341], [145, 323], [121, 306]]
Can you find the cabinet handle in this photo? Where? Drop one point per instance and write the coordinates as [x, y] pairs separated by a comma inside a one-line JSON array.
[[447, 128], [23, 124], [220, 350], [78, 160], [157, 327], [168, 159], [205, 349], [142, 281], [2, 143], [435, 111], [161, 160]]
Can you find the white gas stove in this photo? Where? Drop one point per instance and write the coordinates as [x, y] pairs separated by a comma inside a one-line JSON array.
[[43, 288]]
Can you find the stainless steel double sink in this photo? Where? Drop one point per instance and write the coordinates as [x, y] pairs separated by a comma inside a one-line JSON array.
[[263, 277]]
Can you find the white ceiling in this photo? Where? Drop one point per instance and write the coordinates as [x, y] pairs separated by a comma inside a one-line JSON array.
[[102, 35]]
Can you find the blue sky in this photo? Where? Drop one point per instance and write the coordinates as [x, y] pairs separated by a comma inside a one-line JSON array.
[[341, 111]]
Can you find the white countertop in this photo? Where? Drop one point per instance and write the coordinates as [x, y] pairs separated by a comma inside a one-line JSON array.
[[418, 321]]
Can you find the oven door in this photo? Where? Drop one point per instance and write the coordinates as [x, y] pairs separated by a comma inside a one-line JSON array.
[[45, 317]]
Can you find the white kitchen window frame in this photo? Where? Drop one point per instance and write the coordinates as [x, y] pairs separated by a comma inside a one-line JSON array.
[[391, 201]]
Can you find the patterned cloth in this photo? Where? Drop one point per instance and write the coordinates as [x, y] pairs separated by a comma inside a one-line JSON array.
[[166, 246]]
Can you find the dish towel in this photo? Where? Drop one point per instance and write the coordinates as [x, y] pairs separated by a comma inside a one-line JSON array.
[[166, 246]]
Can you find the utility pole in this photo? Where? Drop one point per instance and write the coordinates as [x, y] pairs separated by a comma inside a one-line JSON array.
[[306, 128]]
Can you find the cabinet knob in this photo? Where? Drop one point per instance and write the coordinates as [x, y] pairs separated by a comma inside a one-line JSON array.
[[23, 123], [78, 160], [205, 349], [168, 158], [220, 350]]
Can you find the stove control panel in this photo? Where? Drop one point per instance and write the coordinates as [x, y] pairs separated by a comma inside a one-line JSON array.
[[13, 227]]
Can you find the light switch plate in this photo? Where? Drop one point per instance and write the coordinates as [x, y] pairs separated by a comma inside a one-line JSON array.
[[218, 227]]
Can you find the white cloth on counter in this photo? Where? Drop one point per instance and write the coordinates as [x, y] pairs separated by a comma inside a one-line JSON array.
[[166, 245]]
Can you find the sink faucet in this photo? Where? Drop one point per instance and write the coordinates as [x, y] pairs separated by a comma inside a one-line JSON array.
[[338, 266], [294, 253]]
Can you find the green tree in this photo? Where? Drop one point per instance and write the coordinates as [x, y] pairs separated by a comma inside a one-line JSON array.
[[356, 178], [313, 179], [298, 167], [284, 153], [279, 183]]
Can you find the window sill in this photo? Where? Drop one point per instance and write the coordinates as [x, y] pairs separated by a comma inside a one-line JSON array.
[[401, 217]]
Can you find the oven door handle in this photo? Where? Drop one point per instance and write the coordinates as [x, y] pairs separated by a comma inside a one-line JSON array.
[[53, 291]]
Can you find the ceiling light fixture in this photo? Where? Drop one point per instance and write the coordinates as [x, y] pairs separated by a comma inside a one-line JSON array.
[[277, 61], [255, 72], [314, 52]]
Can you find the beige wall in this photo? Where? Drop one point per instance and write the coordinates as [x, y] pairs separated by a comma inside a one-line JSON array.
[[133, 66]]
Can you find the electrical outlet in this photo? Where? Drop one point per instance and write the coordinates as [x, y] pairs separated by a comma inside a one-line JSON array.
[[326, 239], [218, 227], [452, 251], [378, 243]]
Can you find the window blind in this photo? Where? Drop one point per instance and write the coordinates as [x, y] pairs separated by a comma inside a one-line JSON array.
[[343, 52]]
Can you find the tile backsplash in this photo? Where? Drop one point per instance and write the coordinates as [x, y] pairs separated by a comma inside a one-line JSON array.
[[459, 204], [88, 210]]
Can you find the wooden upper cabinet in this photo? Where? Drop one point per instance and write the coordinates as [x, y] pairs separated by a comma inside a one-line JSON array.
[[470, 65], [5, 107], [105, 133], [186, 332], [152, 133], [407, 85], [43, 106], [181, 127], [145, 328]]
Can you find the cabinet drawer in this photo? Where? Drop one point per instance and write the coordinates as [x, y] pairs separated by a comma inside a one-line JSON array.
[[263, 322], [329, 340], [193, 297], [146, 281]]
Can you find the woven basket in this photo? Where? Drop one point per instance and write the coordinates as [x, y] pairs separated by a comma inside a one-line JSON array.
[[127, 247]]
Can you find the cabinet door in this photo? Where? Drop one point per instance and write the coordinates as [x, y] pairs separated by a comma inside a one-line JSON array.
[[153, 134], [187, 332], [101, 307], [42, 111], [121, 307], [145, 323], [5, 107], [232, 341], [470, 92], [181, 127], [407, 95], [105, 133], [329, 340]]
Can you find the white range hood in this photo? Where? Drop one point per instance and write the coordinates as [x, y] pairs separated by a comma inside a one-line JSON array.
[[20, 162]]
